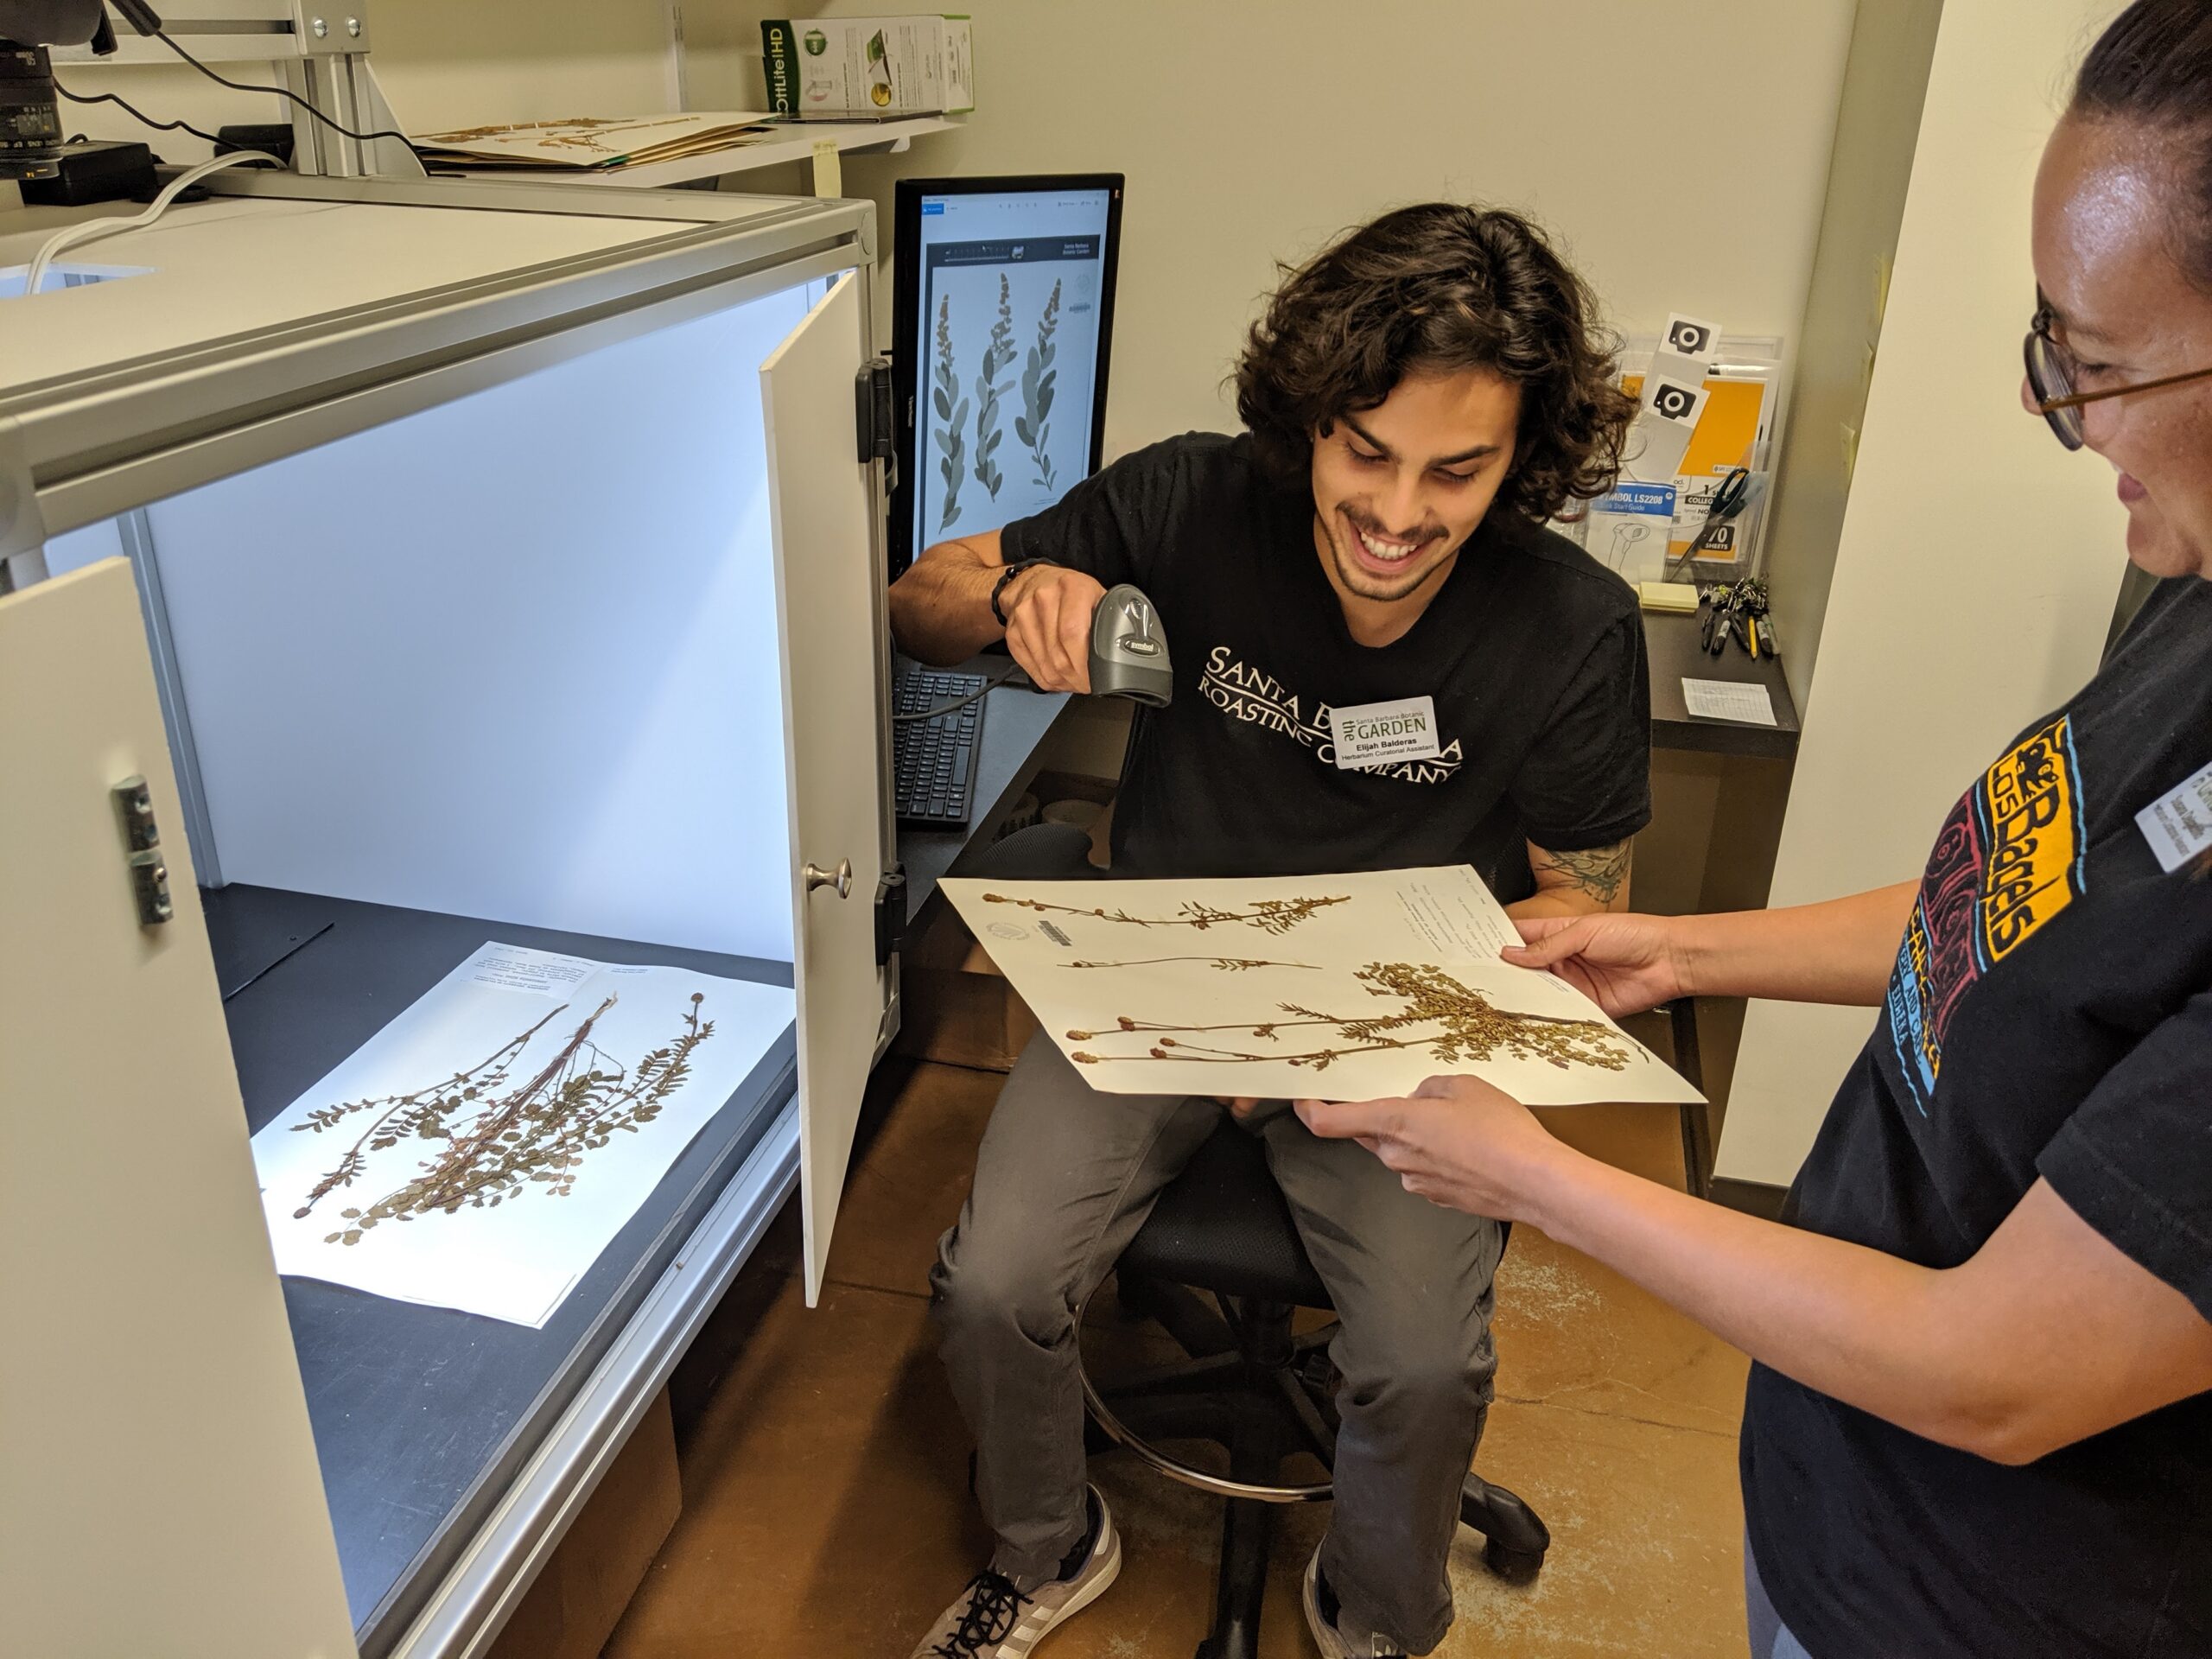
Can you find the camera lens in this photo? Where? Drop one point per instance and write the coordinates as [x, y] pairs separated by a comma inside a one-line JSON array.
[[30, 117]]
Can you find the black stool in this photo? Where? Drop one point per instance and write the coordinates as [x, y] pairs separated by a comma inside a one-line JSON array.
[[1250, 1385]]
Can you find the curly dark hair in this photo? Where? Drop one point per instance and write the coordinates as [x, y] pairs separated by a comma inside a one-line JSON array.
[[1440, 287]]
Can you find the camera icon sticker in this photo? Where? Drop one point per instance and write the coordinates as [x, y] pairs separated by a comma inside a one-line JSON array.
[[1673, 401], [1691, 336]]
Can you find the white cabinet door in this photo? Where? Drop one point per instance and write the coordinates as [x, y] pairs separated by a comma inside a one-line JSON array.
[[158, 1487], [827, 599]]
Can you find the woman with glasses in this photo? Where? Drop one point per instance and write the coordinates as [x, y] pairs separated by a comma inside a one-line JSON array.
[[1979, 1421]]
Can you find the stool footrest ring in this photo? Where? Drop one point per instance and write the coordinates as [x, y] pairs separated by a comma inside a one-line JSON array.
[[1221, 1486]]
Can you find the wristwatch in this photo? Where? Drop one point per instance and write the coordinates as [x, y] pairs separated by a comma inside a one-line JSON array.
[[998, 588]]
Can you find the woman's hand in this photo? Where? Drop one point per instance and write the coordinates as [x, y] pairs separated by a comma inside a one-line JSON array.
[[1625, 963], [1048, 611], [1456, 1142]]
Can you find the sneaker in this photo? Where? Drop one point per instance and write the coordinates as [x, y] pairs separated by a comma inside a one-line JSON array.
[[1337, 1634], [995, 1618]]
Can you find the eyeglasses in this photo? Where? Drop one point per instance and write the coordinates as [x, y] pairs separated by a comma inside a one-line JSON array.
[[2050, 377]]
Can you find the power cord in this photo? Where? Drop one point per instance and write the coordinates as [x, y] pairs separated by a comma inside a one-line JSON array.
[[958, 704], [278, 92], [139, 115], [92, 229]]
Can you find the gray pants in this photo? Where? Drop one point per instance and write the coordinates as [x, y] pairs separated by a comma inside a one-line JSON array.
[[1066, 1177], [1770, 1637]]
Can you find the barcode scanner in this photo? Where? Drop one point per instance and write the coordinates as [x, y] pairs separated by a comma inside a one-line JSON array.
[[1128, 652]]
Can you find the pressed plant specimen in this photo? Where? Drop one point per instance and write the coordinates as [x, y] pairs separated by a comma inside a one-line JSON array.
[[996, 356], [952, 410], [1036, 376], [1453, 1022], [1269, 915], [486, 1141]]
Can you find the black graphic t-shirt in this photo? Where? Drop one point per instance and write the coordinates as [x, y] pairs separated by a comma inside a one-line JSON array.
[[1532, 652], [2050, 1014]]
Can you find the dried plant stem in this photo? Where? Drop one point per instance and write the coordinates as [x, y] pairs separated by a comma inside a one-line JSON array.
[[1269, 915], [952, 410], [997, 354], [1473, 1028], [1032, 426], [492, 1143]]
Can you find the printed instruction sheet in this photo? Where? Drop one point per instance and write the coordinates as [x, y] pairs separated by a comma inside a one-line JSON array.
[[1333, 987], [1739, 700], [482, 1149]]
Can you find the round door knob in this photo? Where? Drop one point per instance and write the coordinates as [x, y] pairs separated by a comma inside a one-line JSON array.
[[840, 878]]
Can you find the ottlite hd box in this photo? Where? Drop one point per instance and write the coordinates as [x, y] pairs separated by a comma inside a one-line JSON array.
[[867, 68]]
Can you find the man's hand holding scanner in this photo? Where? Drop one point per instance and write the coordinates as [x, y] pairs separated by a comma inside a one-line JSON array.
[[1048, 610]]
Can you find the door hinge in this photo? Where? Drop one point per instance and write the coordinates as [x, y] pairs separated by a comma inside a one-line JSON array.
[[872, 409], [890, 914], [142, 846]]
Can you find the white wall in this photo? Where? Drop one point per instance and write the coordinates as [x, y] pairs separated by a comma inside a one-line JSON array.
[[1892, 47], [1253, 129], [1979, 562]]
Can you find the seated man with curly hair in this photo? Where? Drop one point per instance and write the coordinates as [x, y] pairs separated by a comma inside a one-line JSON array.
[[1418, 399]]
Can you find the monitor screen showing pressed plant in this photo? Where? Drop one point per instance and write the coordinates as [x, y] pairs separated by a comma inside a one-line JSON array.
[[1009, 291]]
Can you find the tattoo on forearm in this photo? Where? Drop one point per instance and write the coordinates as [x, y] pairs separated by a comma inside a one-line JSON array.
[[1601, 871]]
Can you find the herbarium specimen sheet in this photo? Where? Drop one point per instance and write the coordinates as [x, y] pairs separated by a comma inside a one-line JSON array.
[[1330, 988], [483, 1149]]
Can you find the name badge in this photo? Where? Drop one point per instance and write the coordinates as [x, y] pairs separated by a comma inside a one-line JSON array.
[[1379, 734], [2178, 824]]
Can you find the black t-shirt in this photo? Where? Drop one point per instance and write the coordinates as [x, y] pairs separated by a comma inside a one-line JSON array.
[[2050, 1014], [1531, 650]]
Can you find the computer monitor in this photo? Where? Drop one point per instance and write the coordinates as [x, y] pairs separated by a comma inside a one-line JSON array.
[[1003, 300]]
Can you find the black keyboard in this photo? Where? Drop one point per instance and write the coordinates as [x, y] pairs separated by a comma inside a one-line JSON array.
[[933, 761]]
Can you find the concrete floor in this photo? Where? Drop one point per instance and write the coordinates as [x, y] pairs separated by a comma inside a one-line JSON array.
[[826, 1510]]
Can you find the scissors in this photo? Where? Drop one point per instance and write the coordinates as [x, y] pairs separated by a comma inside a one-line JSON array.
[[1731, 498]]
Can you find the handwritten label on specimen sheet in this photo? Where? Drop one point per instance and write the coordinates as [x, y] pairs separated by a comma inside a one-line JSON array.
[[518, 969]]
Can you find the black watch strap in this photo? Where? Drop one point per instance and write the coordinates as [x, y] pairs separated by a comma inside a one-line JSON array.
[[998, 588]]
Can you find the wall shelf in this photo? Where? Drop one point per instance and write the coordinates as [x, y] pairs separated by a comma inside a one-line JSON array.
[[795, 142]]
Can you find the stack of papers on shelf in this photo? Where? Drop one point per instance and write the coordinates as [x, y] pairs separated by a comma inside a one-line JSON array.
[[586, 144]]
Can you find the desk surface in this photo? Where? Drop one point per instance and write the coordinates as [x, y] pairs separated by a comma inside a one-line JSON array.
[[1671, 642]]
